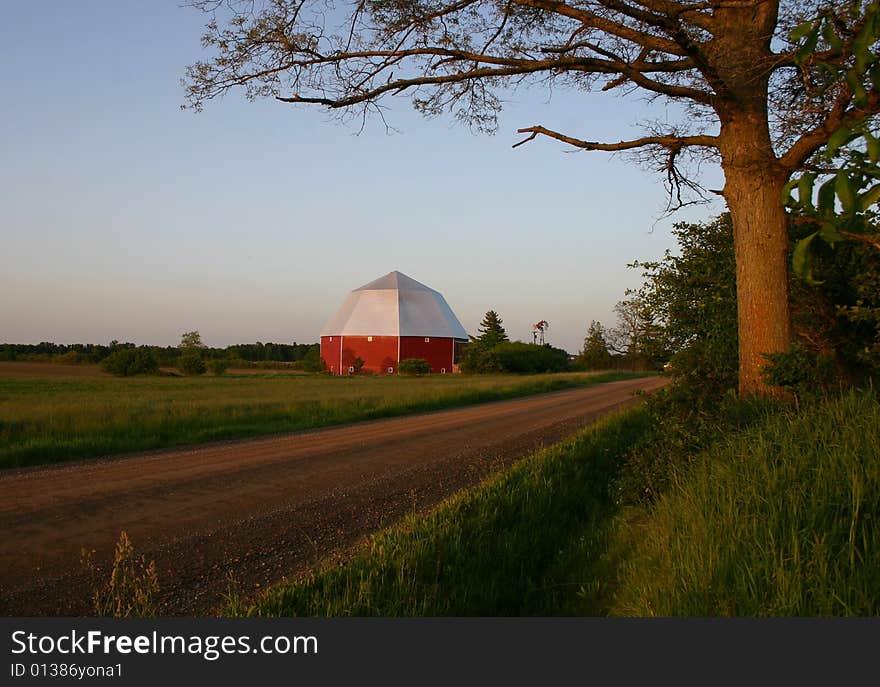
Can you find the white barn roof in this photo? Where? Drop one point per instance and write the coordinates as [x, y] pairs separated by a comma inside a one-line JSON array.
[[394, 305]]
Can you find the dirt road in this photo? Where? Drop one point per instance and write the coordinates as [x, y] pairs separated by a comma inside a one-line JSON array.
[[261, 509]]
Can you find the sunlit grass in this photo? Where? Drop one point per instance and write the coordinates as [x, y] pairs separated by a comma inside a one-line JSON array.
[[780, 520], [56, 419]]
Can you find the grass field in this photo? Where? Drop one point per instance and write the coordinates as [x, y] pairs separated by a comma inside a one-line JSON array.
[[780, 520], [56, 418]]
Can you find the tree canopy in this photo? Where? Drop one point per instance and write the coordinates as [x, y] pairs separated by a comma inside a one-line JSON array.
[[595, 354], [765, 85]]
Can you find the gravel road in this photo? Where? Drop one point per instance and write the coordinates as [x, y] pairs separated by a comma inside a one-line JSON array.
[[261, 509]]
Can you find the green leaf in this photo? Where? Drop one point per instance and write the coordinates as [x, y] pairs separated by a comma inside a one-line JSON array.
[[874, 75], [869, 197], [873, 147], [801, 259], [860, 47], [829, 233], [805, 190], [800, 31], [854, 81], [839, 138], [786, 192], [809, 44], [845, 191], [831, 37], [825, 204]]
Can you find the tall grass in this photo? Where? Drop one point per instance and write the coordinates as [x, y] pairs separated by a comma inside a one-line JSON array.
[[780, 520], [57, 419], [492, 550]]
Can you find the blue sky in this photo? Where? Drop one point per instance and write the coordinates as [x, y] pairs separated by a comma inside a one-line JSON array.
[[124, 217]]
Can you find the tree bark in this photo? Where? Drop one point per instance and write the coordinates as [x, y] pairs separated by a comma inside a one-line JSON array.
[[753, 190]]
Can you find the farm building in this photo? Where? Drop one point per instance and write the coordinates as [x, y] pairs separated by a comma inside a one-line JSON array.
[[388, 320]]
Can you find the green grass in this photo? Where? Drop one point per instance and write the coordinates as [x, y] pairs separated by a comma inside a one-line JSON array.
[[57, 419], [492, 550], [780, 519]]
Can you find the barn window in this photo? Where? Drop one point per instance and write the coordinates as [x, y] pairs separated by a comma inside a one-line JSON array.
[[369, 338], [427, 339], [350, 369], [331, 338], [391, 370], [443, 370]]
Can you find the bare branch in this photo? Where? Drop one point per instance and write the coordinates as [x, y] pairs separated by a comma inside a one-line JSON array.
[[670, 142]]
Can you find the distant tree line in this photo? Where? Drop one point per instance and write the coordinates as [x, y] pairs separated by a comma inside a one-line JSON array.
[[191, 353]]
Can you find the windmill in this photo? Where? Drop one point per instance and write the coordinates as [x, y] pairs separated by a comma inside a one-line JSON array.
[[538, 329]]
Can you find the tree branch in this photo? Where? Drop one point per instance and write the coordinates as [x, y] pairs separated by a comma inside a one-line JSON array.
[[837, 117], [670, 142]]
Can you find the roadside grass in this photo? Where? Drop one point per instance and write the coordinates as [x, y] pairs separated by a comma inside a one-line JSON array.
[[491, 550], [57, 419], [780, 519]]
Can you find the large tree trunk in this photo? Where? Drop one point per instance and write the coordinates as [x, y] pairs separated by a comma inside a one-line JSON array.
[[742, 58], [753, 191]]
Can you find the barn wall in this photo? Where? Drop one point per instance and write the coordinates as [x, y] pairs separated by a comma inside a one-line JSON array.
[[378, 355], [437, 351], [330, 353]]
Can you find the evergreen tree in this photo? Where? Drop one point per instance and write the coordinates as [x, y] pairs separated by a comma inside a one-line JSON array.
[[491, 331]]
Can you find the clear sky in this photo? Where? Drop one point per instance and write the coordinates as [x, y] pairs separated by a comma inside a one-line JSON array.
[[124, 217]]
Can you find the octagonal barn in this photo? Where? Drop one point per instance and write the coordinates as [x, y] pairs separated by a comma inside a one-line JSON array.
[[388, 320]]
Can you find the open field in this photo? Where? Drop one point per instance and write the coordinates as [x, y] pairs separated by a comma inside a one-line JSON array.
[[52, 419], [265, 508], [27, 370], [31, 370]]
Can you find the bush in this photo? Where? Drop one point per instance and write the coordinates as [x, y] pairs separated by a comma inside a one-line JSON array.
[[684, 421], [523, 358], [414, 366], [125, 362], [513, 356], [191, 363], [799, 370], [312, 361], [478, 358], [218, 366]]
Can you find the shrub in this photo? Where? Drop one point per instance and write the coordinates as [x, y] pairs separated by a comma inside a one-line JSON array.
[[513, 356], [684, 421], [312, 361], [218, 366], [799, 370], [523, 358], [125, 362], [478, 358], [414, 366], [191, 363]]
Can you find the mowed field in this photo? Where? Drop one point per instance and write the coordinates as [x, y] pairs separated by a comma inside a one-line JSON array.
[[52, 413]]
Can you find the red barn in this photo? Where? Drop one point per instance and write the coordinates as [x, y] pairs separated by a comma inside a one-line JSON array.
[[388, 320]]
